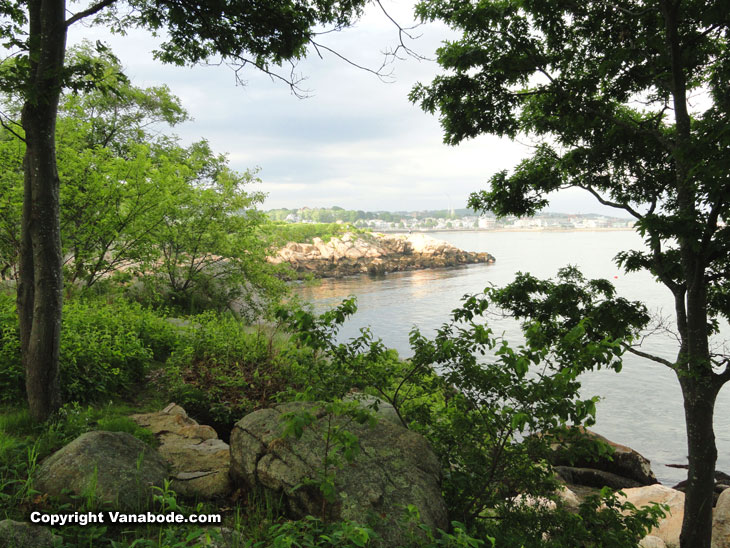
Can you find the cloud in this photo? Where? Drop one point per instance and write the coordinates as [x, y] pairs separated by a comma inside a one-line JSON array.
[[356, 142]]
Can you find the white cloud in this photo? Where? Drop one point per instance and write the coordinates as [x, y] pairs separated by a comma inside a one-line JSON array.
[[356, 142]]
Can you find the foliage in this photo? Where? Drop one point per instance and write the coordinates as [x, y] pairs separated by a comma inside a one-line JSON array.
[[106, 349], [136, 200], [482, 412], [601, 521], [283, 233], [210, 248], [222, 369], [607, 91]]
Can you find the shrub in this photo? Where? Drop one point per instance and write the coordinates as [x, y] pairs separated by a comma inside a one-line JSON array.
[[223, 369], [283, 233], [106, 348], [12, 385]]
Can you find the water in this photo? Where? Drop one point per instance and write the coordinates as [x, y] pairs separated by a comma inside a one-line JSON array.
[[641, 407]]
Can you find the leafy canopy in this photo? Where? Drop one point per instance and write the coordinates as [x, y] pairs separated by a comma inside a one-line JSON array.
[[596, 85]]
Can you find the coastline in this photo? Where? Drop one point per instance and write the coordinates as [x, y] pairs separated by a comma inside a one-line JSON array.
[[507, 229]]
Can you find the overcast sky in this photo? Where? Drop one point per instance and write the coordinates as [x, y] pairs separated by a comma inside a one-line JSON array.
[[356, 142]]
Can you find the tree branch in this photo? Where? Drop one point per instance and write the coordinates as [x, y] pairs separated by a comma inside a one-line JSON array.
[[601, 199], [9, 129], [648, 356], [96, 8]]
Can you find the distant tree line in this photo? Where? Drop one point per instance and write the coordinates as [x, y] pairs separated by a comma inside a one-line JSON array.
[[335, 213]]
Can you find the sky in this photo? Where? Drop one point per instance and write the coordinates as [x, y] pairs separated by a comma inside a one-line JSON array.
[[354, 142]]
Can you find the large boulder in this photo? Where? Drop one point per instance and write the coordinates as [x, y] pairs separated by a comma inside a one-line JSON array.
[[394, 468], [670, 526], [623, 462], [199, 461], [721, 521], [17, 534], [113, 467]]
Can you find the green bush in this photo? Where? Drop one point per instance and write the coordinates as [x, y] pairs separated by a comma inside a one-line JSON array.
[[223, 369], [283, 233], [12, 384], [106, 348]]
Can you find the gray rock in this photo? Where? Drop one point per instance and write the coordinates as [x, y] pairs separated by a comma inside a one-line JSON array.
[[113, 467], [591, 477], [623, 462], [384, 409], [394, 468], [17, 534]]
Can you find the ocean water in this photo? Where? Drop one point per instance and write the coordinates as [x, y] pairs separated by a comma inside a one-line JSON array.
[[640, 407]]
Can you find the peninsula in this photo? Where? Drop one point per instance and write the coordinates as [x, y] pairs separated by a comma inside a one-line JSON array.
[[373, 253]]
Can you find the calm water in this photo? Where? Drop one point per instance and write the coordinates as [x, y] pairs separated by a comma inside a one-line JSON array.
[[640, 407]]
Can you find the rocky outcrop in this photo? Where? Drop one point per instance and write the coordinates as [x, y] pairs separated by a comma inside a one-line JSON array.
[[16, 534], [373, 253], [112, 467], [670, 526], [623, 467], [721, 521], [198, 460], [393, 468]]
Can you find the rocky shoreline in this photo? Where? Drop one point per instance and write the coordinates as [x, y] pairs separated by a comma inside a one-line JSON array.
[[374, 254]]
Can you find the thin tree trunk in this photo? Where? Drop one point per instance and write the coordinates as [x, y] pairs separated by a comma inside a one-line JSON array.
[[699, 391], [40, 288], [699, 403]]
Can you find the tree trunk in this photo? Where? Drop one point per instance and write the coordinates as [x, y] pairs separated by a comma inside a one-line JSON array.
[[699, 403], [700, 387], [40, 287]]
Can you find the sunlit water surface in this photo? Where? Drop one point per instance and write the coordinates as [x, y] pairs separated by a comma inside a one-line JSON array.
[[641, 407]]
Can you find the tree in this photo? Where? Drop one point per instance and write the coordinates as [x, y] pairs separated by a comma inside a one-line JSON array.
[[209, 244], [260, 34], [607, 88]]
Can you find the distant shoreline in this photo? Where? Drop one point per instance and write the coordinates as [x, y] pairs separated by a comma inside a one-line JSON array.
[[508, 229]]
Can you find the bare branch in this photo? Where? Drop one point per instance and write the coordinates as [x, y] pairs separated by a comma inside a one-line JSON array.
[[384, 77], [403, 32], [96, 8]]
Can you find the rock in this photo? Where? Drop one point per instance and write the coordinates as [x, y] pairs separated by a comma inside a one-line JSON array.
[[384, 409], [592, 477], [650, 541], [114, 467], [394, 467], [624, 462], [374, 253], [670, 526], [569, 498], [721, 521], [199, 461], [17, 534], [722, 482]]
